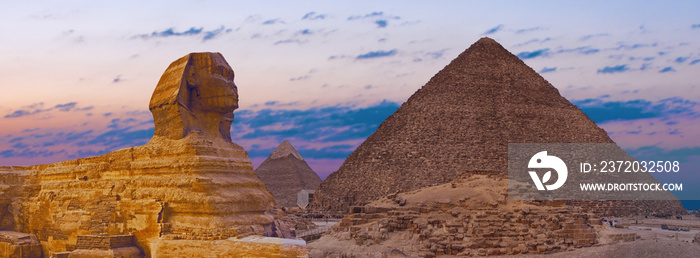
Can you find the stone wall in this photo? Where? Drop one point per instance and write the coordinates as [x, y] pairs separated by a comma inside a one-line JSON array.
[[469, 216], [491, 232], [17, 244], [616, 238], [254, 246], [104, 242], [620, 208]]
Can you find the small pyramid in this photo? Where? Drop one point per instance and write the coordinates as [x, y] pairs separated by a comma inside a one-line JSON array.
[[284, 149], [285, 173], [460, 122]]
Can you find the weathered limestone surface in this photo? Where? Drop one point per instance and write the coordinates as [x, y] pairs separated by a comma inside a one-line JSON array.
[[461, 122], [285, 173], [470, 216], [107, 246], [189, 182], [253, 246], [120, 252], [17, 244]]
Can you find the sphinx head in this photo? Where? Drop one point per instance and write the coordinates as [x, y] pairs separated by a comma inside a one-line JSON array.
[[195, 94]]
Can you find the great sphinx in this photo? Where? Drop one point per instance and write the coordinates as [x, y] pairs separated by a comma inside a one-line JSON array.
[[190, 182]]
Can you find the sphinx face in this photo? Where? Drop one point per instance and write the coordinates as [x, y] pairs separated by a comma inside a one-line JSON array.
[[215, 91]]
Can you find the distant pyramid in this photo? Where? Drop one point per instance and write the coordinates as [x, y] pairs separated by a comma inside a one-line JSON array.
[[460, 122], [285, 173]]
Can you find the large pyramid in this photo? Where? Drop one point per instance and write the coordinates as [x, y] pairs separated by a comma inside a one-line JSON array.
[[285, 173], [460, 122]]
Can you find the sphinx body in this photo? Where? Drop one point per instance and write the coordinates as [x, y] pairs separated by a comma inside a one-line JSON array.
[[189, 182]]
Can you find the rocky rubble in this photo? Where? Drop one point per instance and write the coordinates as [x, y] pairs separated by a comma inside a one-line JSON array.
[[470, 216]]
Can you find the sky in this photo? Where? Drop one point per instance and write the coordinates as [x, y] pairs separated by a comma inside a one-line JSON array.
[[77, 76]]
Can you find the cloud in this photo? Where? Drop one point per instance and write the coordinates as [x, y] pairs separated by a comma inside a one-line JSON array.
[[32, 109], [305, 35], [694, 62], [590, 36], [272, 21], [379, 18], [533, 41], [695, 26], [436, 54], [313, 16], [533, 54], [602, 111], [614, 69], [375, 54], [373, 15], [340, 151], [688, 159], [521, 31], [320, 124], [304, 77], [208, 35], [657, 153], [117, 79], [681, 59], [193, 31], [635, 46], [286, 41], [65, 107], [547, 69], [545, 52], [581, 50], [136, 128], [170, 32], [18, 113], [667, 69], [37, 108], [493, 30], [29, 153], [121, 138], [300, 78]]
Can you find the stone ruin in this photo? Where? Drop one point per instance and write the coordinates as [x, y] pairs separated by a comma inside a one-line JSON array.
[[468, 217], [189, 190], [18, 244]]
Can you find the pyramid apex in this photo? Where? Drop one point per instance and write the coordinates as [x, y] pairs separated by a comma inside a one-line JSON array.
[[486, 40], [284, 149]]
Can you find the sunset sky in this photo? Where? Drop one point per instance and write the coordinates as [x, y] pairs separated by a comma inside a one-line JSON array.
[[76, 77]]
